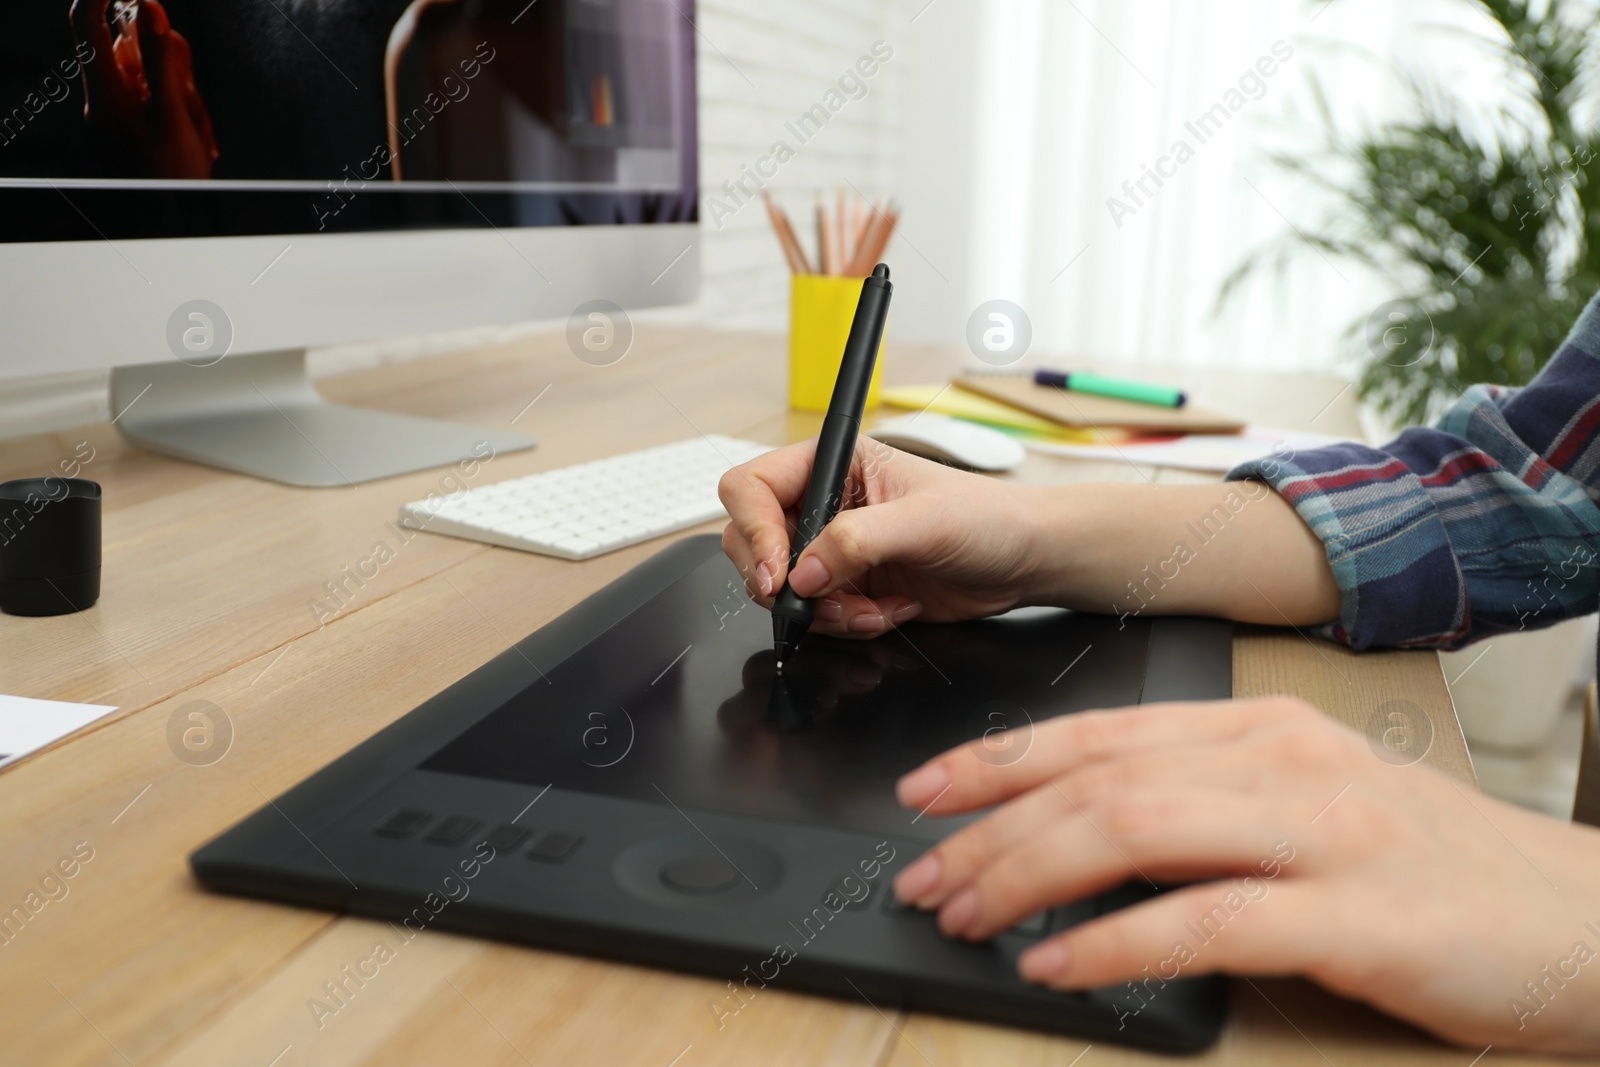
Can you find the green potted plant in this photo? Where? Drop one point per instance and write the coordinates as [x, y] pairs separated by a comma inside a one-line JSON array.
[[1488, 224]]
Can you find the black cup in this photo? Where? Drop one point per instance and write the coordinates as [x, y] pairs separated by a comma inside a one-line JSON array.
[[49, 545]]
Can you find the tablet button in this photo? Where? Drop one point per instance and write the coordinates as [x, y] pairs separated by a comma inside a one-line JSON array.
[[856, 892], [1124, 896], [1069, 915], [699, 874], [895, 906], [452, 831], [1033, 925], [402, 823], [507, 838], [555, 847]]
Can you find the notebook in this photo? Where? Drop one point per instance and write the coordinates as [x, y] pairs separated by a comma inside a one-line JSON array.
[[1082, 411]]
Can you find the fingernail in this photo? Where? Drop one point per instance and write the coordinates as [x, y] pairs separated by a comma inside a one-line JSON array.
[[830, 610], [869, 622], [810, 577], [764, 577], [1044, 962], [917, 879], [959, 912], [906, 612], [919, 788]]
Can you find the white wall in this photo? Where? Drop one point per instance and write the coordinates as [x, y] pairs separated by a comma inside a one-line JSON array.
[[1027, 117], [1005, 126], [762, 63]]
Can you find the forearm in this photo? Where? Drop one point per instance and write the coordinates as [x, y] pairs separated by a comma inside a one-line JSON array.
[[1234, 550]]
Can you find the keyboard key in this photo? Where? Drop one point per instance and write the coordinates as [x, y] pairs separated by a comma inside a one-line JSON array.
[[537, 524], [574, 546], [403, 823]]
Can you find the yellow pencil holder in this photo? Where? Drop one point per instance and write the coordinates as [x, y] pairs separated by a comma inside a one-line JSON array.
[[821, 309]]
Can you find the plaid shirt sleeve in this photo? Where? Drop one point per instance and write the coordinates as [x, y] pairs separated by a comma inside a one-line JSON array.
[[1485, 523]]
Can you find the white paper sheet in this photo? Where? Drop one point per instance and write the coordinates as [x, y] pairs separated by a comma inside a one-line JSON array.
[[28, 724]]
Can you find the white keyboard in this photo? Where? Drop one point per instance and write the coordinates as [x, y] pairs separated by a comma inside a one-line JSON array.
[[582, 511]]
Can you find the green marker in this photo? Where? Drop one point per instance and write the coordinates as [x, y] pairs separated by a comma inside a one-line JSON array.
[[1116, 388]]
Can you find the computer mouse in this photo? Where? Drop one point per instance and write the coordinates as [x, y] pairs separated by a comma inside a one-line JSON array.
[[948, 440]]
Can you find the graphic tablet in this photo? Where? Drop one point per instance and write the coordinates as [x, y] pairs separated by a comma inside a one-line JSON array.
[[633, 781]]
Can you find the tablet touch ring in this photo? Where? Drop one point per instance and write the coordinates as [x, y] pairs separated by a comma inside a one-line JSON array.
[[682, 871], [699, 874]]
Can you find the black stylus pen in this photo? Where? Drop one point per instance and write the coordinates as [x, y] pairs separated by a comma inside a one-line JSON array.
[[836, 445]]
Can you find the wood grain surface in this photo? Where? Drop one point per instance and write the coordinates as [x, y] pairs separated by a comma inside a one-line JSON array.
[[211, 588]]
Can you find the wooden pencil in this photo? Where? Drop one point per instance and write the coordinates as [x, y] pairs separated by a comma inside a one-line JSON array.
[[879, 229], [786, 239], [858, 222], [794, 241], [842, 224], [864, 245], [826, 254], [874, 253]]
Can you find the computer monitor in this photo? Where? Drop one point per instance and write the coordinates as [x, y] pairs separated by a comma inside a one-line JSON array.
[[194, 191]]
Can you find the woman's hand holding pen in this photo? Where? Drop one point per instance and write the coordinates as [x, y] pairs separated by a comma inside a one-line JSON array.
[[916, 538], [912, 538]]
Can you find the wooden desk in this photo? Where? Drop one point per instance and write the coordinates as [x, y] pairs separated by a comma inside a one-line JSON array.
[[210, 581]]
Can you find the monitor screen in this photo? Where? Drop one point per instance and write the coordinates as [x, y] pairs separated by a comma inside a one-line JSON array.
[[680, 703], [211, 118]]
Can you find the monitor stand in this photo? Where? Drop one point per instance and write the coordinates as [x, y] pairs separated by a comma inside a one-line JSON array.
[[259, 414]]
